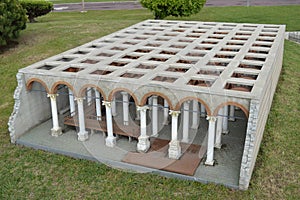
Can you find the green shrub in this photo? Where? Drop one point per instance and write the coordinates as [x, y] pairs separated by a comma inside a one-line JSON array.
[[12, 20], [177, 8], [36, 8]]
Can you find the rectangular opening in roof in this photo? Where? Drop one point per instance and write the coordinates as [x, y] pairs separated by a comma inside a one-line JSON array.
[[178, 69], [153, 44], [185, 61], [81, 52], [209, 42], [143, 50], [210, 72], [244, 76], [118, 48], [47, 67], [131, 75], [105, 54], [90, 61], [159, 59], [228, 56], [178, 46], [201, 82], [132, 57], [254, 58], [144, 66], [258, 51], [73, 69], [66, 59], [168, 52], [250, 66], [164, 79], [217, 63], [231, 49], [262, 45], [102, 72], [241, 33], [238, 87], [203, 48], [195, 54], [118, 64]]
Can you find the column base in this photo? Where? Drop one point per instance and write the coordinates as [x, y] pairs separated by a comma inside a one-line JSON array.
[[218, 146], [99, 118], [83, 136], [209, 163], [225, 132], [56, 131], [232, 119], [110, 141], [144, 144], [174, 150], [125, 123]]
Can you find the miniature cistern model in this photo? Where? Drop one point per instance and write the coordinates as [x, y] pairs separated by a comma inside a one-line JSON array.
[[182, 99]]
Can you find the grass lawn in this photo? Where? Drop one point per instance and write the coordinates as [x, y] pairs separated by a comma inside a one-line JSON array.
[[79, 1], [31, 174]]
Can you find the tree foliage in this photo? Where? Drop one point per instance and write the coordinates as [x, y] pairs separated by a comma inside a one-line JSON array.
[[36, 8], [177, 8], [12, 20]]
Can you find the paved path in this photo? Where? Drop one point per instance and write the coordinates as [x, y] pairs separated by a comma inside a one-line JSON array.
[[131, 5]]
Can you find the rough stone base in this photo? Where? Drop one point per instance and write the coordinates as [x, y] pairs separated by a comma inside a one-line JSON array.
[[83, 136], [174, 150], [143, 144], [56, 132], [110, 141]]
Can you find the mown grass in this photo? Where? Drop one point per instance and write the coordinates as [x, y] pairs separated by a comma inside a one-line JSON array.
[[31, 174]]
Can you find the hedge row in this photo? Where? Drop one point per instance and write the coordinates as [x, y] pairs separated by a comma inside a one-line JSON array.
[[36, 8]]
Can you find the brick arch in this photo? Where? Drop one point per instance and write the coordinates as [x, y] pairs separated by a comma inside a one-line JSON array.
[[144, 99], [32, 80], [112, 93], [54, 87], [193, 98], [232, 103], [93, 86]]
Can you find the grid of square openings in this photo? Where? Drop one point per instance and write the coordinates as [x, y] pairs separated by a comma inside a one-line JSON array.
[[148, 45]]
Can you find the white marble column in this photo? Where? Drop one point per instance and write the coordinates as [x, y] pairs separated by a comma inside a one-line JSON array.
[[143, 141], [210, 140], [202, 110], [186, 122], [195, 123], [114, 107], [71, 102], [110, 140], [125, 108], [56, 130], [98, 105], [231, 114], [225, 120], [166, 113], [174, 145], [218, 138], [89, 96], [82, 134], [154, 116]]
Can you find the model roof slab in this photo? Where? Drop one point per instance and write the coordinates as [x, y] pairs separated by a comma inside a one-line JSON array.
[[217, 63]]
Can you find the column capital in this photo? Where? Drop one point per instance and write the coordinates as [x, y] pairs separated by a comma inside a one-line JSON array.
[[52, 96], [79, 99], [106, 103], [174, 113], [211, 118], [124, 93], [142, 108]]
